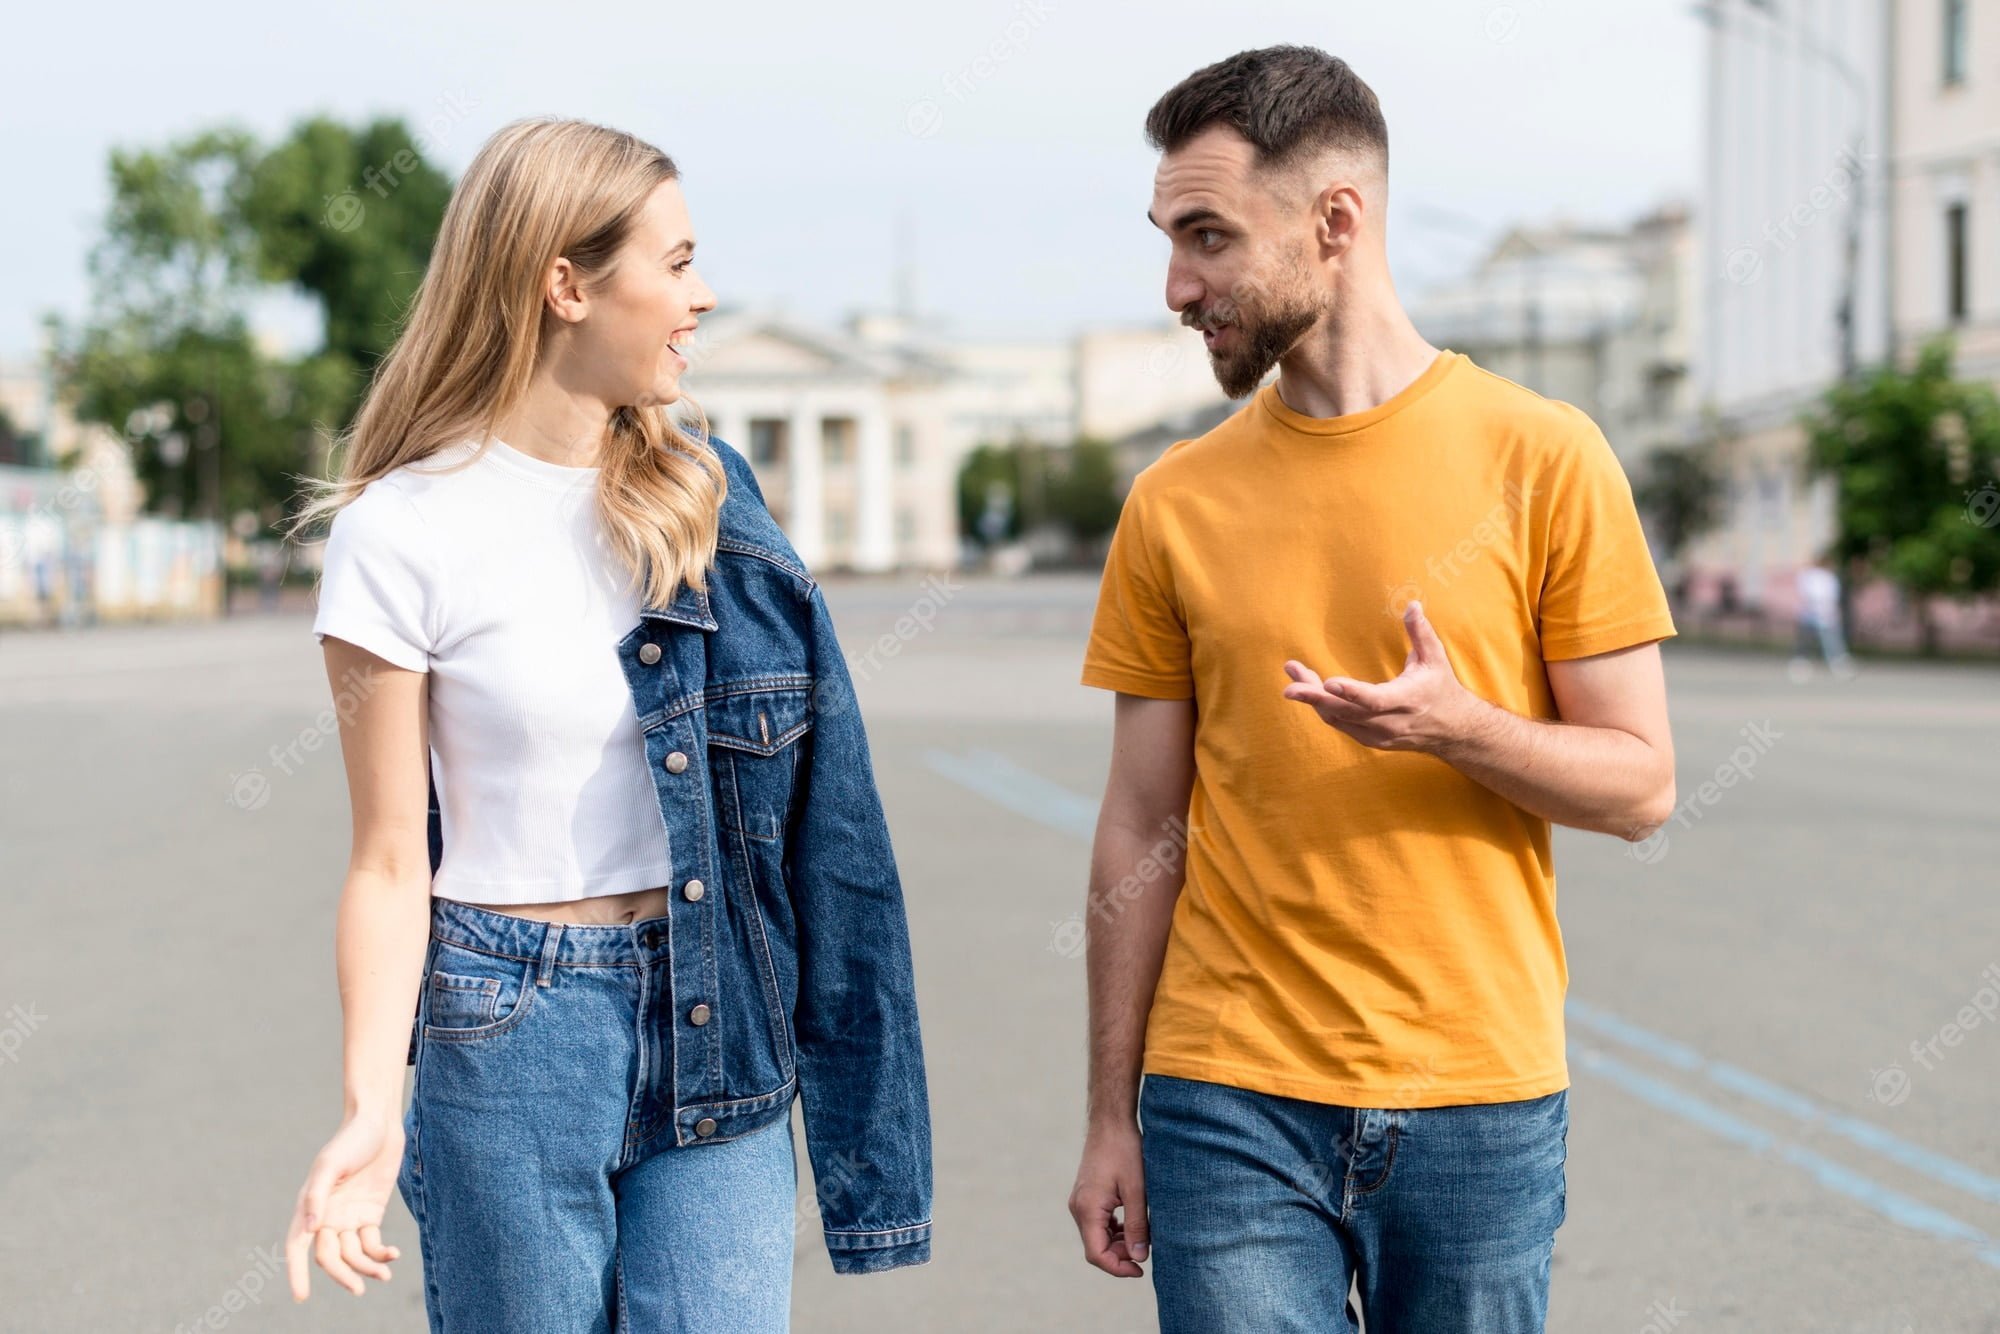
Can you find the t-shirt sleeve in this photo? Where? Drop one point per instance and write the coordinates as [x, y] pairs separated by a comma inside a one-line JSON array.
[[1600, 591], [379, 579], [1138, 637]]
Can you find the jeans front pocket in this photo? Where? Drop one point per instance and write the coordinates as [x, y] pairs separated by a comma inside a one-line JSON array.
[[470, 995]]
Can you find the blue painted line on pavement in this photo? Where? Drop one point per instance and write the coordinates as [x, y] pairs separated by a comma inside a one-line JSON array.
[[1896, 1207], [1927, 1162], [1020, 790]]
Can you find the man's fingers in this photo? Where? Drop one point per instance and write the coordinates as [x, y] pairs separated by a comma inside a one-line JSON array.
[[1367, 698], [1138, 1232], [1424, 641]]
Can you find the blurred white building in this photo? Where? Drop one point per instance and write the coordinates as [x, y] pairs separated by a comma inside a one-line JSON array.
[[1793, 229], [1596, 316], [857, 436], [1946, 164]]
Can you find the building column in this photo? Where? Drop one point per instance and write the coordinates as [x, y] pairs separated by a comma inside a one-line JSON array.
[[805, 500], [875, 490]]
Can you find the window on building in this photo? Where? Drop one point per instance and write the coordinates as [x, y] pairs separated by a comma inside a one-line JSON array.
[[906, 445], [767, 441], [906, 525], [838, 435], [837, 527], [1955, 284], [1954, 41]]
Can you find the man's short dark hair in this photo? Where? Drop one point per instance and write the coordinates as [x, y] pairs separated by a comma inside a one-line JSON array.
[[1291, 102]]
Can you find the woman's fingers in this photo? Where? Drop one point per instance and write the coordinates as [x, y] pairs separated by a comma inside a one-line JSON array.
[[372, 1244], [326, 1250], [297, 1268], [357, 1257]]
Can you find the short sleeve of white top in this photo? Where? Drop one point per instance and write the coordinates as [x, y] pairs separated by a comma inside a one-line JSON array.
[[489, 570]]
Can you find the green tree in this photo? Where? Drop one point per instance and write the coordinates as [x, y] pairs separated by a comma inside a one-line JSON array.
[[350, 217], [1913, 452], [1084, 496], [1680, 490], [194, 233]]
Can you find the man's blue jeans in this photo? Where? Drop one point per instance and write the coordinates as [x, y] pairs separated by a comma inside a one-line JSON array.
[[1262, 1209]]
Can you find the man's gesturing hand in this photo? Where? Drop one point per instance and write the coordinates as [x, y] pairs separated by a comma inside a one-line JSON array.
[[1424, 709]]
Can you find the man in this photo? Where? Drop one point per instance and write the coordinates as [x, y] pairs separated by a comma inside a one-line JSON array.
[[1369, 638]]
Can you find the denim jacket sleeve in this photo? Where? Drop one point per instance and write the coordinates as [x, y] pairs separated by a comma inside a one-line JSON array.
[[860, 1054], [860, 1058]]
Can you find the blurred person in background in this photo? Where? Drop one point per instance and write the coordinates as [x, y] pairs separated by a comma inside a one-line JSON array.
[[645, 898], [1370, 637], [1817, 623]]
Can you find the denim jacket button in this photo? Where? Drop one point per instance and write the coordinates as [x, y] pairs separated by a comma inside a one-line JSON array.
[[676, 762], [649, 654], [693, 890], [705, 1127], [698, 1015]]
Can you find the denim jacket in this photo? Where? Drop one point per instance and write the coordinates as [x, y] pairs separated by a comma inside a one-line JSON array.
[[762, 769]]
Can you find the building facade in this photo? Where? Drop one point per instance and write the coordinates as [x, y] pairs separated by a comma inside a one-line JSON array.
[[1793, 275], [1945, 119], [857, 437]]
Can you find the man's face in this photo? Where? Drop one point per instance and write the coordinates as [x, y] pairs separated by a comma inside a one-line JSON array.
[[1241, 270]]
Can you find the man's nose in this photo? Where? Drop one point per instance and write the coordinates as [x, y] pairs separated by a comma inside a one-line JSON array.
[[1183, 290]]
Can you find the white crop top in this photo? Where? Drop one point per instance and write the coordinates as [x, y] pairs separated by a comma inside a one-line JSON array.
[[497, 580]]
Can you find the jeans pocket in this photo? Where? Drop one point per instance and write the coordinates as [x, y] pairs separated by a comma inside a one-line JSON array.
[[470, 995]]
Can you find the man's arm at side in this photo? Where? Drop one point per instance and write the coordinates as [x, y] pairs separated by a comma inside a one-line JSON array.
[[1127, 916]]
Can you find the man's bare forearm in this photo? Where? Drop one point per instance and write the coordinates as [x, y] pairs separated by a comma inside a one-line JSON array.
[[1596, 778], [1135, 880]]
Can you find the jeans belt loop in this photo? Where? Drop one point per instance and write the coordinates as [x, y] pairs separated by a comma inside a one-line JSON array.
[[551, 942]]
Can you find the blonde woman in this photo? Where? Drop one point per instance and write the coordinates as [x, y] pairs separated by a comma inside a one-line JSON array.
[[620, 886]]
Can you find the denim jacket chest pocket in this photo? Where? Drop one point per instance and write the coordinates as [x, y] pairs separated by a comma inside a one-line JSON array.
[[756, 734]]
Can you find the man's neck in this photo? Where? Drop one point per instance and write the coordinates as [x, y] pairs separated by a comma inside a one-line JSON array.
[[1352, 365]]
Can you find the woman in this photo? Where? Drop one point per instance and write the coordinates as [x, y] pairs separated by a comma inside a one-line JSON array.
[[653, 898]]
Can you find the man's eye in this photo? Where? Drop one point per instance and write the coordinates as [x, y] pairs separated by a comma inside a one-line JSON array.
[[1206, 237]]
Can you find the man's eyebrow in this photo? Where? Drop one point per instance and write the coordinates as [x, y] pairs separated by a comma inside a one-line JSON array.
[[1189, 218]]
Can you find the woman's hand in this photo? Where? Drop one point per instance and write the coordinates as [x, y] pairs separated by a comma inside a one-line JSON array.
[[339, 1210]]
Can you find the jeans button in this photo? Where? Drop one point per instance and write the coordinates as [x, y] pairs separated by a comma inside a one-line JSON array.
[[698, 1015], [649, 654], [705, 1127], [676, 762], [693, 890]]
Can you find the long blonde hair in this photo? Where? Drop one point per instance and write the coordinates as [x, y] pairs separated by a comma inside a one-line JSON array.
[[538, 189]]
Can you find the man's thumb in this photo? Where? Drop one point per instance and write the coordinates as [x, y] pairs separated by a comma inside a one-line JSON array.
[[1137, 1233]]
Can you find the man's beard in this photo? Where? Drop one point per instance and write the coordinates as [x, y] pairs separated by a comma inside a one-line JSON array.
[[1261, 337]]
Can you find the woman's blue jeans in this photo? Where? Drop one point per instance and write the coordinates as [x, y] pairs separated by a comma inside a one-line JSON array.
[[540, 1163], [1263, 1209]]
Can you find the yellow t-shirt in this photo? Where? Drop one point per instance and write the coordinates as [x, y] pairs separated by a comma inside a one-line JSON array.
[[1362, 927]]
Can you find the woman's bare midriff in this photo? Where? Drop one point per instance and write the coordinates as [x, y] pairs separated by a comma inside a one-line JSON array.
[[599, 910]]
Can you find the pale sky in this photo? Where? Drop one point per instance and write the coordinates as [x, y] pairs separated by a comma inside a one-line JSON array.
[[804, 131]]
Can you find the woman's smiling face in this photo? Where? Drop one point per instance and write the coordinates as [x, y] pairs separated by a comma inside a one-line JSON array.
[[645, 314]]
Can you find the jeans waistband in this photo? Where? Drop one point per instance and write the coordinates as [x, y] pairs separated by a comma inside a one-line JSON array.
[[552, 943]]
